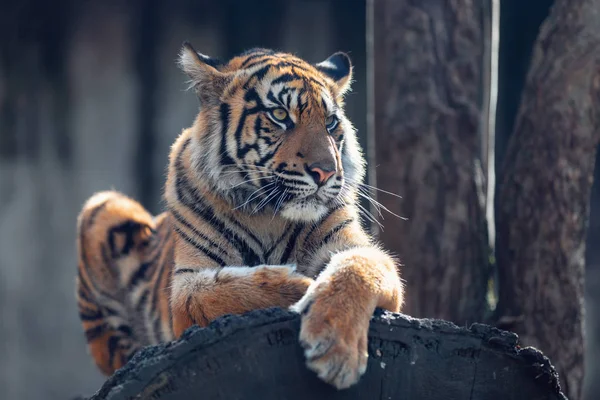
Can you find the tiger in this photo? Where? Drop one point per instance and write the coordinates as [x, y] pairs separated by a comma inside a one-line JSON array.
[[262, 210]]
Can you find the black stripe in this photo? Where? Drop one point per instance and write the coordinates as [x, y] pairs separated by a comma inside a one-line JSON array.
[[95, 332], [129, 229], [292, 173], [320, 223], [296, 181], [109, 312], [259, 74], [287, 63], [125, 329], [200, 248], [204, 211], [271, 96], [301, 106], [275, 245], [254, 54], [142, 301], [90, 315], [142, 272], [291, 244], [113, 343], [335, 230], [242, 150], [269, 155], [189, 226], [224, 113], [94, 213], [284, 78], [184, 271], [282, 93]]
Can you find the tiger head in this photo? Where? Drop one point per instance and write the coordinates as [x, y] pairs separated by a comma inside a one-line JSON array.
[[271, 134]]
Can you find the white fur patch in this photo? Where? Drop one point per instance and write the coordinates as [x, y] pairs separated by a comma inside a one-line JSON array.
[[307, 211], [327, 64]]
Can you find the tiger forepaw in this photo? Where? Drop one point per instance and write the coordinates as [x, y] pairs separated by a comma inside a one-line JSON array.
[[334, 338]]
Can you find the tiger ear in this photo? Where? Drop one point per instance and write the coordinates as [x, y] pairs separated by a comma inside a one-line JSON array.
[[205, 78], [338, 68]]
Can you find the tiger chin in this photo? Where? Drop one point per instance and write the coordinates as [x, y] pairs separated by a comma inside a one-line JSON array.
[[262, 211]]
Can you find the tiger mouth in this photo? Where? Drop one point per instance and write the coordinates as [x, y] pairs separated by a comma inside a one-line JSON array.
[[281, 194], [312, 199]]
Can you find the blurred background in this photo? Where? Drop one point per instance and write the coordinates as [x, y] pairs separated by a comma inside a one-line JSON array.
[[91, 99]]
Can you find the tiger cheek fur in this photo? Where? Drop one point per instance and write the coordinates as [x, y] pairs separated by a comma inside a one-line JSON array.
[[262, 211]]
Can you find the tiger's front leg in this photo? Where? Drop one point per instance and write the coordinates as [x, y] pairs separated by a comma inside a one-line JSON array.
[[337, 308], [201, 295]]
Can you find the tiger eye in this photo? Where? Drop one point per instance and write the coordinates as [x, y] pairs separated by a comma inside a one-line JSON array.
[[279, 114], [331, 122]]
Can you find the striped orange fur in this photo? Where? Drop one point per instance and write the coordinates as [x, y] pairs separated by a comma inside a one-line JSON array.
[[262, 211]]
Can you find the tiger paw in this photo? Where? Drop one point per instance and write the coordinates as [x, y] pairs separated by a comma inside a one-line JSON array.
[[334, 336]]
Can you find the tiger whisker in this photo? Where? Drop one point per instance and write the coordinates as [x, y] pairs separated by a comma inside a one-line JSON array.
[[380, 206], [248, 181], [253, 196], [369, 215], [252, 166], [357, 183], [279, 203], [265, 201], [373, 202], [243, 171]]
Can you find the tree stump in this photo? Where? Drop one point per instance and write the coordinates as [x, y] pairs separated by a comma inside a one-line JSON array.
[[257, 356]]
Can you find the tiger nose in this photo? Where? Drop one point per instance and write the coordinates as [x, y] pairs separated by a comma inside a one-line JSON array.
[[321, 172]]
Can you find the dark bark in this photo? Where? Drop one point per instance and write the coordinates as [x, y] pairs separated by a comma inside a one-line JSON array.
[[519, 26], [257, 356], [543, 201], [428, 58]]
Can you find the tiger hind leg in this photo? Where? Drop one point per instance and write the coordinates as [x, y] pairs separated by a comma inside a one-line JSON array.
[[113, 232]]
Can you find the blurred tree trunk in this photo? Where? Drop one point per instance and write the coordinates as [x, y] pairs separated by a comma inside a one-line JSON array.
[[520, 23], [428, 73], [543, 202]]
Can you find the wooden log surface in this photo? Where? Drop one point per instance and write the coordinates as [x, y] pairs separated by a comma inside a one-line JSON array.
[[257, 356]]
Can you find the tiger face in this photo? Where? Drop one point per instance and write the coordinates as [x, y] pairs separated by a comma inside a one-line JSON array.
[[271, 134]]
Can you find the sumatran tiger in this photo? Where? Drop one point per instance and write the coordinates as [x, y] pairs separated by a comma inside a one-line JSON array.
[[262, 211]]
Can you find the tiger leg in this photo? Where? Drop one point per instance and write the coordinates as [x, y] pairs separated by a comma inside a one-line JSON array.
[[201, 296], [337, 308], [113, 232]]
